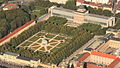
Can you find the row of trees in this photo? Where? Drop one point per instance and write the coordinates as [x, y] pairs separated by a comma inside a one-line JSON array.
[[10, 20], [70, 4], [57, 20], [100, 11]]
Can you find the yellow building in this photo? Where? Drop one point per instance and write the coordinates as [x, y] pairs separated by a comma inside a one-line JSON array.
[[114, 44], [17, 60], [14, 58]]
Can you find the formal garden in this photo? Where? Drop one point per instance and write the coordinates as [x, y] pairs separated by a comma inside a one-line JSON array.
[[45, 42]]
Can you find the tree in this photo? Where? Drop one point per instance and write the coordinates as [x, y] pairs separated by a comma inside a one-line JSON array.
[[107, 13], [10, 20], [90, 27], [100, 11], [72, 66], [118, 15], [70, 4]]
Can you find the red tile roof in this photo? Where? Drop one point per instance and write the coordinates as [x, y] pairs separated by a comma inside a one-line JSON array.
[[97, 54], [17, 30], [11, 6], [95, 4], [114, 63], [103, 54], [81, 1], [78, 64], [84, 57]]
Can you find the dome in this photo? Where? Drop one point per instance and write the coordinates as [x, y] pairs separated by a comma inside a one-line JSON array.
[[44, 42]]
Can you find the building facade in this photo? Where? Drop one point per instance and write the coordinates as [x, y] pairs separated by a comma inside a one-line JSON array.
[[114, 31], [96, 59], [100, 20], [59, 1], [15, 59], [101, 4], [81, 18]]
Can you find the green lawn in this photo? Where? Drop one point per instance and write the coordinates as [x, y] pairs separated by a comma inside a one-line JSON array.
[[49, 47], [53, 44], [40, 34], [40, 41], [26, 43], [59, 38], [50, 36], [61, 44], [34, 38], [43, 49], [35, 44]]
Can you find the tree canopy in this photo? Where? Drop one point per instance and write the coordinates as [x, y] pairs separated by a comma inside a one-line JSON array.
[[10, 20]]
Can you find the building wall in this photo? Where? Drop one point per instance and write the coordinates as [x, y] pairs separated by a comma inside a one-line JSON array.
[[88, 0], [82, 17], [79, 18], [61, 12], [107, 8], [99, 60], [96, 20], [78, 3], [117, 11], [115, 33], [94, 66], [99, 1], [113, 44], [65, 14], [14, 60], [59, 1], [118, 65], [95, 6]]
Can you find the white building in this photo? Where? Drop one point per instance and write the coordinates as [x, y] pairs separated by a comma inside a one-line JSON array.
[[81, 18], [98, 1], [59, 1]]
